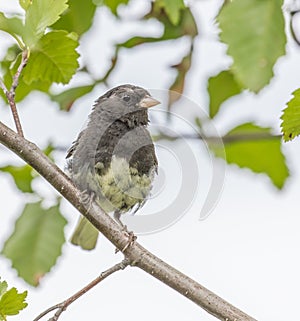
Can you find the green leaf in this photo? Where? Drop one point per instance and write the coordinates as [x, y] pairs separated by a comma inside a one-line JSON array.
[[255, 33], [69, 96], [25, 4], [36, 242], [3, 287], [22, 176], [111, 4], [186, 27], [261, 154], [12, 302], [48, 151], [177, 87], [13, 26], [78, 18], [290, 125], [172, 9], [40, 15], [220, 88], [53, 59], [9, 66]]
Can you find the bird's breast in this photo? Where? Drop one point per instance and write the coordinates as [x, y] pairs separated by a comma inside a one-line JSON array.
[[122, 186]]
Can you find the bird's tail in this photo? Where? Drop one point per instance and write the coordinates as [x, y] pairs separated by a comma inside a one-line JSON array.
[[85, 234]]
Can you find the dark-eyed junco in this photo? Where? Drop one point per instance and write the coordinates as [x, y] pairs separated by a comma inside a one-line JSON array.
[[113, 159]]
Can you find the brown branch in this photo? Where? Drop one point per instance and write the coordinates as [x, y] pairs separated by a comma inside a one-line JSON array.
[[232, 138], [135, 253], [17, 75], [61, 307], [11, 93], [13, 107]]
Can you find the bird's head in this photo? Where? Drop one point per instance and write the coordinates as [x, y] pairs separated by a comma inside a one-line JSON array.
[[132, 96], [127, 103]]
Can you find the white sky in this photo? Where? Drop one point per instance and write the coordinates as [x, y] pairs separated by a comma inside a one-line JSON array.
[[246, 251]]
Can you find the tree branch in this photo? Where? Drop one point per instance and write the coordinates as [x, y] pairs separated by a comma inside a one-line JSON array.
[[135, 253], [10, 94], [232, 138], [61, 307]]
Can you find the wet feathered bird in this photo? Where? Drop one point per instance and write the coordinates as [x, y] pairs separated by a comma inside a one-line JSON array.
[[113, 159]]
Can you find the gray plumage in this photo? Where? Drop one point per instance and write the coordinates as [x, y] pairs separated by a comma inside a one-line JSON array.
[[113, 158]]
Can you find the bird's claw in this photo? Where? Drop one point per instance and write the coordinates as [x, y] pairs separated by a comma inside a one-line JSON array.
[[131, 239]]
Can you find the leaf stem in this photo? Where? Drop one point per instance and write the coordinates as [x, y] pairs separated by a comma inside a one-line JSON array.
[[61, 307], [3, 316], [19, 41]]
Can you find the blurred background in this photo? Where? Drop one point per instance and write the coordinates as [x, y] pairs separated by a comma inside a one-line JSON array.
[[246, 250]]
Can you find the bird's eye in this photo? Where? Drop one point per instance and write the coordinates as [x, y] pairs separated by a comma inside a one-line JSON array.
[[126, 98]]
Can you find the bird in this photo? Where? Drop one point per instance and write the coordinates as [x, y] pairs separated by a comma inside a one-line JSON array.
[[113, 160]]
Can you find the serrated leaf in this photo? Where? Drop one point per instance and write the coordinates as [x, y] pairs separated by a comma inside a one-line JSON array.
[[177, 87], [262, 154], [40, 15], [172, 9], [78, 17], [12, 302], [9, 67], [22, 176], [36, 242], [53, 59], [69, 96], [255, 33], [220, 88], [13, 26], [290, 125]]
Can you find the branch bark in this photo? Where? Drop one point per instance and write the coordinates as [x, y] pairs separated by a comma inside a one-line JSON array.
[[135, 253]]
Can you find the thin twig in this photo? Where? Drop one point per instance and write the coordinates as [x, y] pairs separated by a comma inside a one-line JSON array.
[[11, 93], [13, 107], [22, 65], [225, 139], [61, 307], [54, 307], [3, 87]]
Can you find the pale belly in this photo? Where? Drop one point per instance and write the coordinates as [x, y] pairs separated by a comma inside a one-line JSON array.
[[120, 188]]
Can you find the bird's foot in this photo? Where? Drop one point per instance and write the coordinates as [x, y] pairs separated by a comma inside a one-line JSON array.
[[130, 234], [131, 239]]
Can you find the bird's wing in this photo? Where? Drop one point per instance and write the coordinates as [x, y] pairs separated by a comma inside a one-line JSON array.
[[71, 150]]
